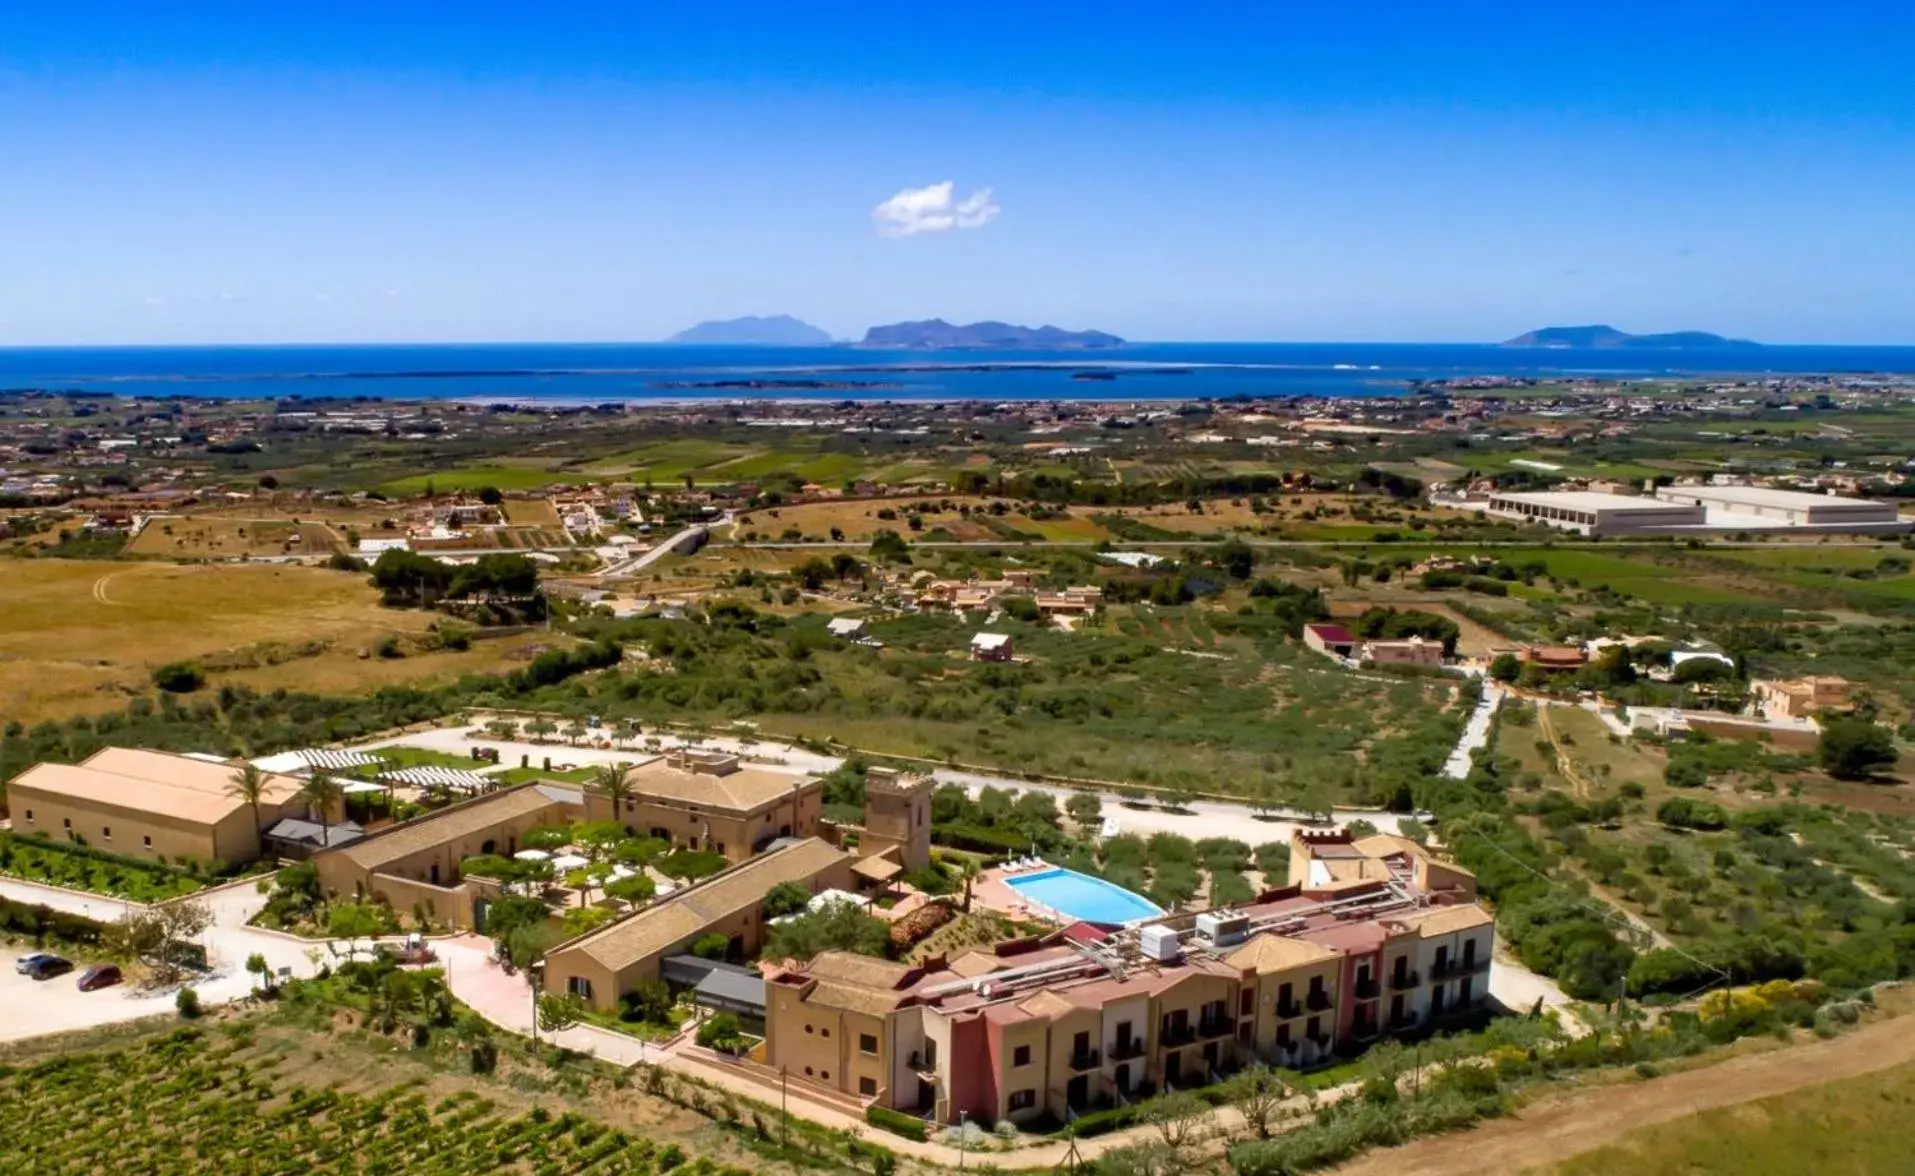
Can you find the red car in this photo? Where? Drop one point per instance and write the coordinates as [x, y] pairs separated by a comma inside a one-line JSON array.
[[99, 976]]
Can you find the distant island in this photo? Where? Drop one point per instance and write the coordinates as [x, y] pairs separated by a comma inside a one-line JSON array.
[[779, 330], [1598, 338], [938, 335]]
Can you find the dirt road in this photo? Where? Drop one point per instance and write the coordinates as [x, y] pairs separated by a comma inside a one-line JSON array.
[[1559, 1127]]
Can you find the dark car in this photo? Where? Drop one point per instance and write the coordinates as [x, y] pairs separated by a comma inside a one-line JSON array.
[[43, 966], [99, 976]]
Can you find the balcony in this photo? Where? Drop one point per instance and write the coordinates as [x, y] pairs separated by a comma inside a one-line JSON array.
[[1368, 989], [1318, 1001], [919, 1064], [1403, 1020], [1406, 979], [1215, 1027], [1365, 1028], [1085, 1059], [1175, 1034], [1456, 969], [1124, 1051], [1287, 1009], [1320, 1040]]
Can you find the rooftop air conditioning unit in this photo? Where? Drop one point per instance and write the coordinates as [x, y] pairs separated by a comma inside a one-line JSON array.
[[1160, 944], [1222, 928]]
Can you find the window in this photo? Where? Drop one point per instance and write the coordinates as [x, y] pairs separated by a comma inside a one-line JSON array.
[[1247, 1004], [29, 816], [721, 847], [146, 840], [807, 1030], [66, 822], [867, 1086], [867, 1043], [930, 1053], [106, 832], [1023, 1100], [580, 986], [825, 1075], [824, 1032], [1021, 1056], [807, 1071]]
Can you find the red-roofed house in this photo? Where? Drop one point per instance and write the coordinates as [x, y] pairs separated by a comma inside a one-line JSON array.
[[1332, 640]]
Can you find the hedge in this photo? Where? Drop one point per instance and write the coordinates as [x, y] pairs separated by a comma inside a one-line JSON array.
[[896, 1122], [25, 918], [979, 838]]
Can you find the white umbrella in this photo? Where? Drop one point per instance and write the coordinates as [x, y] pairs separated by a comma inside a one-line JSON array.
[[570, 861], [532, 855]]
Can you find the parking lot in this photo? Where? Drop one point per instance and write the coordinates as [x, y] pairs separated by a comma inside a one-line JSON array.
[[38, 1007]]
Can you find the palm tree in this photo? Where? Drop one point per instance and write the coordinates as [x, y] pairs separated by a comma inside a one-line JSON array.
[[249, 784], [320, 792], [969, 867], [615, 781]]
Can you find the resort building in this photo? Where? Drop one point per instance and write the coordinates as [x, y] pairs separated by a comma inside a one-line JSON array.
[[149, 804], [1379, 937], [601, 965], [711, 800], [1589, 513], [897, 818], [415, 864]]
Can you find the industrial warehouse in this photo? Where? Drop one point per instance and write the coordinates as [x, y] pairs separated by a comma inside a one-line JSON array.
[[1700, 510]]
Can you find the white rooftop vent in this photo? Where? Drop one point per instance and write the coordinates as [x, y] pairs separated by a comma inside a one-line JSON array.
[[1159, 943], [1222, 928]]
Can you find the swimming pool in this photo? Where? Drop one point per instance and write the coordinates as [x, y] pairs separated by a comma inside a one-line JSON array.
[[1080, 896]]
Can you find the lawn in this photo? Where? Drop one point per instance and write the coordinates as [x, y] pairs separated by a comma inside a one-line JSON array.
[[478, 477], [229, 538], [83, 636], [1855, 1126]]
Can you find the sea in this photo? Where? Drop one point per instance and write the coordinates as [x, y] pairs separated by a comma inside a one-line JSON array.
[[590, 373]]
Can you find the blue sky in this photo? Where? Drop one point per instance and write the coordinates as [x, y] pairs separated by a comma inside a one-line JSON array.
[[197, 172]]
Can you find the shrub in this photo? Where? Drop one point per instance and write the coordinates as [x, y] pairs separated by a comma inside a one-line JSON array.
[[1684, 813], [187, 1002], [179, 677], [896, 1122], [721, 1032]]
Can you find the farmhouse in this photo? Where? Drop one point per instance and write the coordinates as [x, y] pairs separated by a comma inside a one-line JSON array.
[[1801, 698], [149, 804], [601, 965], [991, 647], [1087, 1018], [709, 800], [1413, 651], [1330, 640]]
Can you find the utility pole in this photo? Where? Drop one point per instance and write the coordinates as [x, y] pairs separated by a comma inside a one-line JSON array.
[[784, 1106]]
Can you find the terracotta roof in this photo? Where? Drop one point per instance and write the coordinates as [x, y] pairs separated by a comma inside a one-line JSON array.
[[1278, 953], [855, 998], [853, 968], [1047, 1004], [973, 964], [1385, 845], [1333, 634], [452, 824], [876, 868], [679, 916], [157, 783], [744, 790], [1449, 920]]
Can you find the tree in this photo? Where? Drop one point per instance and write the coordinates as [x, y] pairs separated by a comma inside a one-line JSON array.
[[351, 921], [887, 546], [257, 966], [969, 868], [633, 888], [179, 677], [1852, 749], [839, 926], [248, 785], [1085, 808], [321, 793], [525, 944], [160, 937], [786, 898], [1236, 559], [557, 1013], [1257, 1093], [615, 781], [1506, 667], [579, 920], [1178, 1118], [541, 728], [713, 946], [649, 1001]]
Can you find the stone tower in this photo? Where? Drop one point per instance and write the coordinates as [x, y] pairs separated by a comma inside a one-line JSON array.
[[897, 814]]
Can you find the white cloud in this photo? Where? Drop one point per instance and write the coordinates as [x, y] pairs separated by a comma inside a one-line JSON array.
[[932, 209]]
